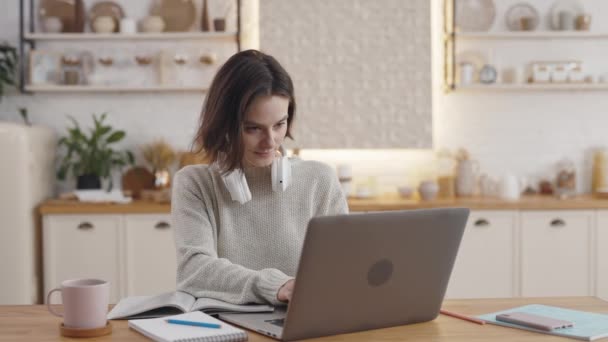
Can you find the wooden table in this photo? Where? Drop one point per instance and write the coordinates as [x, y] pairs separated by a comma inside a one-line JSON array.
[[34, 323]]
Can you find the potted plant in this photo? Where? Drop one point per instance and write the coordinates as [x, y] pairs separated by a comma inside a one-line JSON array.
[[8, 66], [92, 158]]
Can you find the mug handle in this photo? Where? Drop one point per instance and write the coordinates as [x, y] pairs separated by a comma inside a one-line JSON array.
[[48, 302]]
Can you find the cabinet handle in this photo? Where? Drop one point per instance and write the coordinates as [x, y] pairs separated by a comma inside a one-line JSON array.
[[162, 225], [85, 226], [557, 223], [482, 223]]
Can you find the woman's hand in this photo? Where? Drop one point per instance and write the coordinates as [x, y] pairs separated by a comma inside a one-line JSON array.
[[284, 294]]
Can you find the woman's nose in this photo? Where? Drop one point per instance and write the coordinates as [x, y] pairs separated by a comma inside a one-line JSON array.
[[268, 139]]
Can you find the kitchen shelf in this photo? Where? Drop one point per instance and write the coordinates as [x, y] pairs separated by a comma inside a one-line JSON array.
[[532, 86], [110, 89], [29, 38], [136, 36], [452, 37], [529, 35]]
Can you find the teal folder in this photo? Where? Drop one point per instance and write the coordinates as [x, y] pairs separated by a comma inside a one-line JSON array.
[[588, 326]]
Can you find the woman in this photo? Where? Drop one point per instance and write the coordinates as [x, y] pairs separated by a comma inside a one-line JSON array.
[[240, 222]]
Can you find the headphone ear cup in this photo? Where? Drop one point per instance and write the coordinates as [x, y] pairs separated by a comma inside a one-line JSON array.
[[281, 174], [237, 186]]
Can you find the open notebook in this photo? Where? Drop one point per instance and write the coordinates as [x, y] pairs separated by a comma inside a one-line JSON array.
[[173, 303], [588, 326], [159, 330]]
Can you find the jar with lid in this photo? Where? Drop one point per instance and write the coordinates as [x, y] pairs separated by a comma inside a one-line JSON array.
[[565, 183], [600, 166], [445, 173]]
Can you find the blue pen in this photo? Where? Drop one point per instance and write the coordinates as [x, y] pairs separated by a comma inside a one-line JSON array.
[[196, 324]]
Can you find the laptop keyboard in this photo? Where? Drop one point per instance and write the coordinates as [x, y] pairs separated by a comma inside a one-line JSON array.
[[278, 322]]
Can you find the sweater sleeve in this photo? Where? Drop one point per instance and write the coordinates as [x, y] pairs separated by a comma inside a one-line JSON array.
[[200, 271]]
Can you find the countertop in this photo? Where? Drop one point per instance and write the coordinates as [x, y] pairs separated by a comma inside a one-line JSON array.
[[34, 323], [380, 203]]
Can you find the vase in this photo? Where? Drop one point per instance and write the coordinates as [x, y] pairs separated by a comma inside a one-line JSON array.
[[205, 18], [88, 181]]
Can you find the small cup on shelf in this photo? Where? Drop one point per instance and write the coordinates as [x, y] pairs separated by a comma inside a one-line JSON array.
[[583, 22], [219, 24], [527, 23], [128, 26]]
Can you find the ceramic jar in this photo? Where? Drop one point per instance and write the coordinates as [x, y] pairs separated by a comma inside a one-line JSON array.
[[152, 24], [428, 190], [52, 25], [104, 24]]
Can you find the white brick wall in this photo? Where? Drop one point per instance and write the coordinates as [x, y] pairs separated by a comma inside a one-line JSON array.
[[361, 69]]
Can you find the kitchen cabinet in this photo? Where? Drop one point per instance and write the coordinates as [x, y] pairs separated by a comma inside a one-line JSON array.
[[81, 246], [486, 265], [504, 253], [149, 254], [134, 252], [601, 247], [557, 253]]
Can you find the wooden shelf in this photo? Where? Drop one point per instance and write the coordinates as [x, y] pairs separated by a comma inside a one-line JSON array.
[[531, 35], [110, 89], [135, 36], [532, 86]]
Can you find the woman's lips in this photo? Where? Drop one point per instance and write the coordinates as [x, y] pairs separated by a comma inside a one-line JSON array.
[[264, 154]]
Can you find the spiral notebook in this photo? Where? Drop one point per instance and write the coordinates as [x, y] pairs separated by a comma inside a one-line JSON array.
[[158, 329]]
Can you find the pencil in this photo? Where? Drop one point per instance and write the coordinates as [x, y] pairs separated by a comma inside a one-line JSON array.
[[463, 317]]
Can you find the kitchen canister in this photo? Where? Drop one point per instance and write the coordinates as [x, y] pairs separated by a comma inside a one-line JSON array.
[[467, 73], [466, 177], [509, 187], [128, 26]]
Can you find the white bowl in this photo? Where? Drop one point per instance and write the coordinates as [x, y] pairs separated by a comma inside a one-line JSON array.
[[405, 191]]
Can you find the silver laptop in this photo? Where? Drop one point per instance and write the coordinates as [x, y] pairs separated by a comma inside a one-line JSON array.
[[366, 271]]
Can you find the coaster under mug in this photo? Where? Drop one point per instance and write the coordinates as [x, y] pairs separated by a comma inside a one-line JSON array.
[[94, 332]]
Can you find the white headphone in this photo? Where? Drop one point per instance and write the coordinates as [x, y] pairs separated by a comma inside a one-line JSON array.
[[237, 186]]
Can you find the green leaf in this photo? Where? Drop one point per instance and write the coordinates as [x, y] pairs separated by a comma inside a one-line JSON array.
[[116, 136], [130, 157]]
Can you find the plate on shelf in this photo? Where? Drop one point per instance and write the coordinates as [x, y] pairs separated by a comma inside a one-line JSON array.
[[474, 15], [515, 15], [106, 8], [66, 11], [573, 6], [179, 15]]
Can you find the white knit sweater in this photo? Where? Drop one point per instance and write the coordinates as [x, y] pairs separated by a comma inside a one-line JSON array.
[[243, 253]]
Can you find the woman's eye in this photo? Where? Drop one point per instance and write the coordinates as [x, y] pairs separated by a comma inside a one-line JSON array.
[[280, 124], [251, 129]]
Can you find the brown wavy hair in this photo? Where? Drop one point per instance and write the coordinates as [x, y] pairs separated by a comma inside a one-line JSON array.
[[244, 77]]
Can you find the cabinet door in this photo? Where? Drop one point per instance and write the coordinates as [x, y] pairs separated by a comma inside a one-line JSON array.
[[81, 246], [150, 254], [601, 246], [556, 249], [486, 264]]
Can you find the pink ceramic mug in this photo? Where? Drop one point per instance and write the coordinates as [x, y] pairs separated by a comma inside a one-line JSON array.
[[85, 303]]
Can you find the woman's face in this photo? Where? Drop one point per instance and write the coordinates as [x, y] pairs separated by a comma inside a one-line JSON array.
[[264, 129]]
